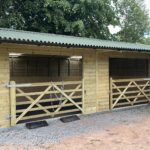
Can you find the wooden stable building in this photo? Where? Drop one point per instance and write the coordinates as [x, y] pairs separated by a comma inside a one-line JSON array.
[[47, 75]]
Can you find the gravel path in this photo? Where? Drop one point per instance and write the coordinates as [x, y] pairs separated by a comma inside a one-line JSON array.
[[58, 131]]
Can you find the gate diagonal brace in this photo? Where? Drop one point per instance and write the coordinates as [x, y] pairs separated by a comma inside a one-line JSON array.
[[68, 97], [140, 92], [36, 101], [122, 94], [61, 105], [32, 100]]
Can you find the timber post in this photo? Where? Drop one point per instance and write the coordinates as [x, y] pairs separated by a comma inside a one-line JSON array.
[[13, 102], [83, 100], [110, 93]]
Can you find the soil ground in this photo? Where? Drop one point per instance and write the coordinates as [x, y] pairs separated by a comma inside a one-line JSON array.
[[119, 130]]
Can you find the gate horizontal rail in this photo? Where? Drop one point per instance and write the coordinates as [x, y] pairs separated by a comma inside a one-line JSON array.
[[129, 92], [35, 100]]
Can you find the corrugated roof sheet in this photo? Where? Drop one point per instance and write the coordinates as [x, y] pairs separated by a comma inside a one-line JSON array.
[[20, 36]]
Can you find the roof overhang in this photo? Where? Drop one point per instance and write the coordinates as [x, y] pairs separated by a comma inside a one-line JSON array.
[[46, 39]]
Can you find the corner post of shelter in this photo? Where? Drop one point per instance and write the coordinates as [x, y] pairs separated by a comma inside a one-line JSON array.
[[13, 102]]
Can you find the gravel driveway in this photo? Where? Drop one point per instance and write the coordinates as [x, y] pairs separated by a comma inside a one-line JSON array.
[[58, 132]]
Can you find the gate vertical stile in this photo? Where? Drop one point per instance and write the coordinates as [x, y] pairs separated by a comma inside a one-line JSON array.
[[83, 92], [13, 102], [110, 93]]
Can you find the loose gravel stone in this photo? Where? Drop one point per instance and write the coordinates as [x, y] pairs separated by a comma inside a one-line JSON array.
[[58, 131]]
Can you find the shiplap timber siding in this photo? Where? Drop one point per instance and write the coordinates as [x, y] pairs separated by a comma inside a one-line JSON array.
[[4, 92], [95, 73], [102, 82], [89, 76]]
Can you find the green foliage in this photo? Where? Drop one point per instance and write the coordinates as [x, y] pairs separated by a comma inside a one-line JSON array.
[[146, 41], [134, 20], [71, 17], [87, 18], [20, 14]]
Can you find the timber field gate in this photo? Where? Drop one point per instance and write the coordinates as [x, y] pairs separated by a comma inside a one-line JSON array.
[[129, 92], [35, 101]]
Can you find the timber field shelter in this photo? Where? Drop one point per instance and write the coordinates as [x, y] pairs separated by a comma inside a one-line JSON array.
[[46, 75]]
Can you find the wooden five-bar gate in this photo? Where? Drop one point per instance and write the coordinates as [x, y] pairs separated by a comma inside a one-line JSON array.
[[35, 101], [129, 92]]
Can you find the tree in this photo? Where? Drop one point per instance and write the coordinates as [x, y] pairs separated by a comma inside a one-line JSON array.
[[87, 18], [9, 17], [146, 41], [71, 17], [134, 20], [20, 14]]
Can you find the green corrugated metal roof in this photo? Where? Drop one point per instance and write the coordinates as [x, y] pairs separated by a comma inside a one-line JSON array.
[[20, 36]]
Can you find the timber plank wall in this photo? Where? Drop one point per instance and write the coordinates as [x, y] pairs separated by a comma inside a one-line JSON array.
[[4, 92], [95, 74]]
